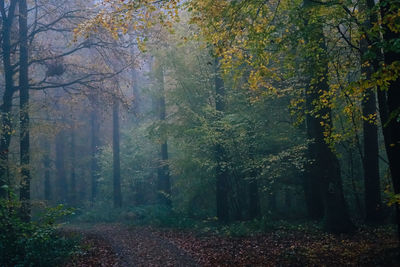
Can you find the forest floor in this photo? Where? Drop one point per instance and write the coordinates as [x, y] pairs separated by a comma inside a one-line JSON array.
[[120, 245]]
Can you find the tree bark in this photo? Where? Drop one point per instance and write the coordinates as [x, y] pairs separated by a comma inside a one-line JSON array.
[[94, 164], [163, 183], [46, 166], [254, 208], [72, 191], [392, 122], [312, 181], [7, 22], [24, 111], [373, 203], [221, 172], [116, 157], [336, 217], [136, 95], [62, 189], [254, 199], [388, 100]]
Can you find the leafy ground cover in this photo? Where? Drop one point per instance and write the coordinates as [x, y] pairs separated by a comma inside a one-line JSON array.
[[147, 246], [94, 251], [36, 242]]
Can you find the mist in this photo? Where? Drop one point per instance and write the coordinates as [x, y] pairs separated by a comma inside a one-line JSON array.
[[199, 133]]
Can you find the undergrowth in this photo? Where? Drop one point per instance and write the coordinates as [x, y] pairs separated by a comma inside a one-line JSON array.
[[36, 243], [163, 217]]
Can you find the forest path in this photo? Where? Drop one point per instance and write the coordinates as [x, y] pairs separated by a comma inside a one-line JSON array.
[[121, 245], [137, 246]]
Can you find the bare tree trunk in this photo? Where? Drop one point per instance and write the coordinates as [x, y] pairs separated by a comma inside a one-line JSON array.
[[221, 172], [46, 165], [163, 183], [312, 180], [136, 95], [254, 199], [116, 157], [254, 208], [72, 191], [94, 164], [392, 122], [62, 189], [373, 203], [7, 22], [25, 193]]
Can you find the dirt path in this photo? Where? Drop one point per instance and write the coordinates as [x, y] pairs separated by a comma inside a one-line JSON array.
[[119, 245], [135, 246]]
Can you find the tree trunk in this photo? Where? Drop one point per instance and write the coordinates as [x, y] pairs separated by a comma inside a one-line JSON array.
[[94, 164], [221, 172], [336, 217], [312, 181], [370, 142], [116, 157], [288, 199], [163, 182], [326, 164], [72, 191], [46, 165], [254, 199], [136, 96], [254, 209], [272, 205], [24, 111], [392, 123], [6, 131], [388, 102], [62, 189]]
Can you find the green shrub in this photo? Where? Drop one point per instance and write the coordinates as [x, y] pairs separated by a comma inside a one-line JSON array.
[[32, 243]]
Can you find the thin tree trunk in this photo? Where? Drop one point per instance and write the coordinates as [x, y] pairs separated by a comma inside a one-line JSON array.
[[353, 183], [62, 189], [272, 205], [72, 191], [254, 199], [221, 172], [254, 209], [24, 111], [6, 131], [163, 183], [116, 157], [46, 165], [288, 199], [94, 164], [136, 95]]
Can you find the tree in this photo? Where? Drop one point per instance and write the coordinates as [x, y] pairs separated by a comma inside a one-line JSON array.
[[46, 167], [24, 110], [370, 129], [163, 182], [62, 184], [221, 170], [116, 156], [336, 217], [6, 131], [391, 123], [94, 147], [72, 192]]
